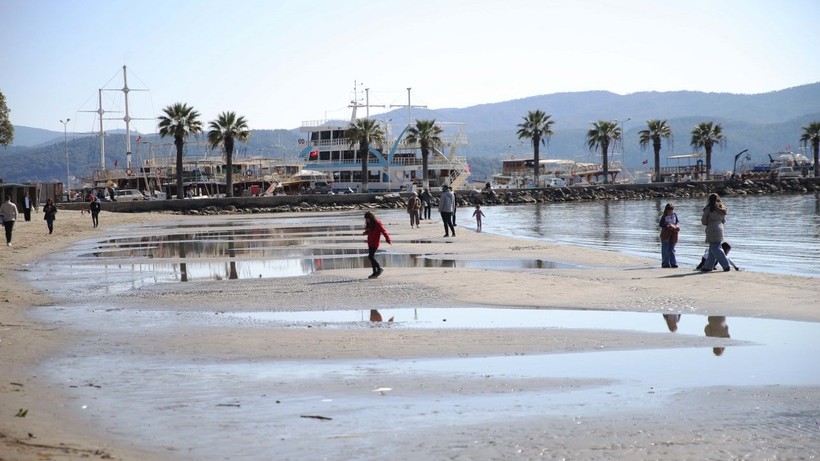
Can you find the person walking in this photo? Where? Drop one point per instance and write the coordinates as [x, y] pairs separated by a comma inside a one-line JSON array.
[[478, 214], [426, 201], [95, 207], [50, 214], [374, 229], [446, 207], [413, 207], [8, 213], [669, 236], [28, 204], [713, 217]]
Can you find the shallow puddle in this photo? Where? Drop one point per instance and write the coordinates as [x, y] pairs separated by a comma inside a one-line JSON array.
[[178, 401], [220, 252]]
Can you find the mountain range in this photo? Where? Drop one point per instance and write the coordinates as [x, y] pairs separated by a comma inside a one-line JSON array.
[[762, 123]]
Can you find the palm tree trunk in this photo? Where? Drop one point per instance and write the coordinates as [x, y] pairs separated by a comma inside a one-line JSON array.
[[180, 186], [605, 159], [229, 174], [425, 154], [656, 146], [816, 148], [365, 153], [536, 157], [657, 165], [708, 161]]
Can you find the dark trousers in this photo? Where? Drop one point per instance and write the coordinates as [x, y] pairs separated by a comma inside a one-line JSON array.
[[447, 219], [9, 225], [371, 255], [425, 211], [27, 214]]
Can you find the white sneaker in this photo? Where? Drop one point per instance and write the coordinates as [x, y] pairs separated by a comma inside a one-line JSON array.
[[8, 244]]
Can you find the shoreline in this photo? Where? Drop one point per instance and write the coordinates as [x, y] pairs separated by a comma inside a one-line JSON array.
[[621, 282]]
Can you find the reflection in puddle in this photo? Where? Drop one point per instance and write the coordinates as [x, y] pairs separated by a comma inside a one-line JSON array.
[[230, 253], [765, 349], [274, 268]]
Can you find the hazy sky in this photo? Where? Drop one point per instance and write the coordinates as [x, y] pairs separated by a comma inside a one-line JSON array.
[[283, 62]]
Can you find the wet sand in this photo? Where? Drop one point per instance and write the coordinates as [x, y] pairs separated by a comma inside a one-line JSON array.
[[751, 422]]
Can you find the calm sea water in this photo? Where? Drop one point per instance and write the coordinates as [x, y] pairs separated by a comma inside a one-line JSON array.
[[776, 234]]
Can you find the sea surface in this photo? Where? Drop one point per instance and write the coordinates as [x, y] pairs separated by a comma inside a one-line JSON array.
[[775, 233]]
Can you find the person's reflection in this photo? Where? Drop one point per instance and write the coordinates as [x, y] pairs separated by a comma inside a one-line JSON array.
[[717, 328], [375, 316], [672, 321]]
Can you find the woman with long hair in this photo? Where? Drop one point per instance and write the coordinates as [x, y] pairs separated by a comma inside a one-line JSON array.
[[713, 217], [374, 230]]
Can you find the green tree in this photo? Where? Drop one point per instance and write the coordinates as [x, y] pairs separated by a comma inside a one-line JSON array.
[[707, 135], [427, 134], [537, 127], [811, 136], [179, 122], [602, 134], [655, 132], [364, 132], [6, 128], [225, 131]]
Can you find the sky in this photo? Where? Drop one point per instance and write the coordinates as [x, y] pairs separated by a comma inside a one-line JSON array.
[[283, 63]]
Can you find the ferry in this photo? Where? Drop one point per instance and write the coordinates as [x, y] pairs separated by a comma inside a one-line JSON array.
[[393, 166]]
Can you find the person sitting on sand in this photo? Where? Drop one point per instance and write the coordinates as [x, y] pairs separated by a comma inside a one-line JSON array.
[[726, 247]]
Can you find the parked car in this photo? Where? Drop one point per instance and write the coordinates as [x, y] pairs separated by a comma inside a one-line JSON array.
[[556, 182], [129, 195], [788, 172]]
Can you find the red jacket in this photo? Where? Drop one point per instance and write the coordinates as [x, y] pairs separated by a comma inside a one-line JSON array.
[[375, 233]]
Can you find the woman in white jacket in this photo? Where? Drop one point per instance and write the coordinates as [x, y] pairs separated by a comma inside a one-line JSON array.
[[713, 217]]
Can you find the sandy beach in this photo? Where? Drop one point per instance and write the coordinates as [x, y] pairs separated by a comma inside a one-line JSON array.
[[737, 422]]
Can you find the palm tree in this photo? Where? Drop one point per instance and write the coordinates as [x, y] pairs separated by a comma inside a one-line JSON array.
[[655, 132], [706, 135], [427, 134], [537, 127], [811, 135], [364, 131], [179, 121], [225, 130], [602, 134]]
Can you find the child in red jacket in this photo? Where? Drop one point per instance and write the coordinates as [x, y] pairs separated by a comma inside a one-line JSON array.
[[374, 230]]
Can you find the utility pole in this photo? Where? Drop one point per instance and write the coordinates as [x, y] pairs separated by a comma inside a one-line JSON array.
[[65, 149]]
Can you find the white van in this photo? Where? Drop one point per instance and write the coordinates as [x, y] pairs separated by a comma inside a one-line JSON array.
[[556, 182]]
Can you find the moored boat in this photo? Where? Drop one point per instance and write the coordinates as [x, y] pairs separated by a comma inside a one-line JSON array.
[[395, 165]]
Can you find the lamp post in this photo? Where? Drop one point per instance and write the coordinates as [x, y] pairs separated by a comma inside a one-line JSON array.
[[65, 149], [623, 149]]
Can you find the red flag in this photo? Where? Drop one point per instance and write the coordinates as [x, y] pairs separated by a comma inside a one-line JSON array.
[[138, 139], [645, 162], [115, 163]]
